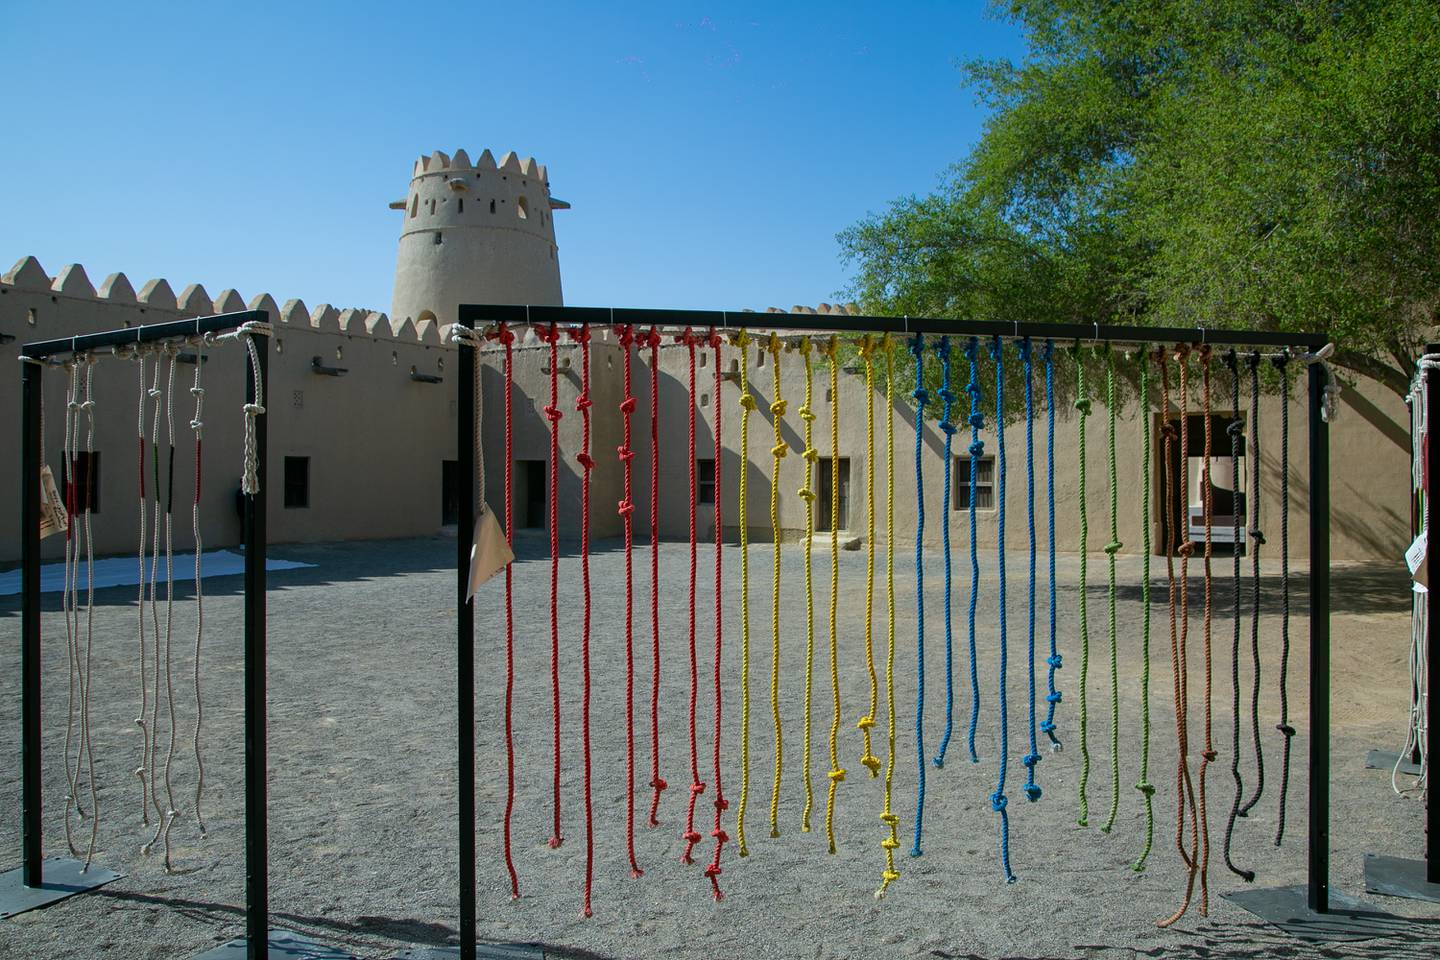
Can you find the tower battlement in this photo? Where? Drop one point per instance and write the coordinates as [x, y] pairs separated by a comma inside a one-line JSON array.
[[439, 163]]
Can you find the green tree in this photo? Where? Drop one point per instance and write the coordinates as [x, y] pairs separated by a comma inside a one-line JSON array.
[[1225, 163]]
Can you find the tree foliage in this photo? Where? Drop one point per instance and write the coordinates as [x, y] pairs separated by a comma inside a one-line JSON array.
[[1225, 163]]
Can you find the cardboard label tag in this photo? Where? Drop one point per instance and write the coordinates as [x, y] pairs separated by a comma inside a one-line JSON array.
[[1415, 559], [490, 552], [53, 517]]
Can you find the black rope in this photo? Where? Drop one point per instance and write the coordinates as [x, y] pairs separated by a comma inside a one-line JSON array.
[[1236, 429], [1284, 725], [1254, 539]]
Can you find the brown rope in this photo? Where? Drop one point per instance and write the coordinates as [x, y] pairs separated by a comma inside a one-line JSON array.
[[1208, 756]]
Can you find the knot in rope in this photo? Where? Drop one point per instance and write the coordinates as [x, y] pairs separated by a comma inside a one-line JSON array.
[[747, 400], [713, 339], [1181, 352], [626, 333], [779, 450], [1055, 660], [976, 447], [553, 414], [586, 461], [1113, 547], [580, 334], [806, 413], [502, 334], [1083, 405], [921, 396], [778, 407], [625, 454], [627, 405], [977, 419], [948, 428], [1236, 429], [1256, 535], [697, 788], [998, 802], [1146, 787], [1186, 549], [838, 774], [1286, 729], [805, 493], [626, 508], [550, 334], [253, 408], [1032, 792], [865, 723], [811, 454], [1030, 759], [658, 783]]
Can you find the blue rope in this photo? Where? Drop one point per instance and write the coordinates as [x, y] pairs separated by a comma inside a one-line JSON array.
[[947, 428], [1052, 696], [1032, 790], [977, 447], [922, 397], [997, 799]]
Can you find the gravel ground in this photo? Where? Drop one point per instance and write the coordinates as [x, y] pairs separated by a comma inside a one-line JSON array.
[[362, 783]]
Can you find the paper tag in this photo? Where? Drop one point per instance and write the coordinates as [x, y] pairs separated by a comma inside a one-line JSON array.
[[490, 553], [53, 518], [1415, 558]]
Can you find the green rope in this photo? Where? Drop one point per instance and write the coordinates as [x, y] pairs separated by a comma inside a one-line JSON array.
[[1082, 405], [1146, 788], [1112, 548]]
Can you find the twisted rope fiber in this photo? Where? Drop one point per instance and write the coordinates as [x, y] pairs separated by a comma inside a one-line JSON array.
[[657, 783], [777, 453], [921, 397], [1208, 755], [1146, 788], [626, 509], [1031, 759], [837, 773], [887, 816], [553, 414], [158, 512], [977, 449], [807, 494], [1256, 539], [998, 801], [197, 424], [142, 720], [507, 339], [1082, 405], [1236, 430], [868, 345], [1184, 786], [1053, 662], [747, 404], [721, 804], [1111, 549], [87, 745], [947, 398], [70, 600], [168, 822], [691, 836], [1284, 725], [587, 463]]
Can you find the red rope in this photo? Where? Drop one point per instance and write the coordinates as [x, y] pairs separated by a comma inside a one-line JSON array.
[[652, 340], [582, 403], [626, 508], [713, 870], [691, 836], [507, 338], [553, 414]]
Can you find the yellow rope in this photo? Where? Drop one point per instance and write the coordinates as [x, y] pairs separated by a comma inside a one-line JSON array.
[[891, 842], [747, 404], [867, 347], [837, 773], [777, 453], [807, 493]]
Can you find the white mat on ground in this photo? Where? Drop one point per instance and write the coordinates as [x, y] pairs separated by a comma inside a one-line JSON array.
[[125, 571]]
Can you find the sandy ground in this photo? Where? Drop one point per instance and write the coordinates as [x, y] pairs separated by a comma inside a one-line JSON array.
[[363, 787]]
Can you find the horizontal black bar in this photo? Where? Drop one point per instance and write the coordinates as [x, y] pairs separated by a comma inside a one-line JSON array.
[[473, 315], [146, 333]]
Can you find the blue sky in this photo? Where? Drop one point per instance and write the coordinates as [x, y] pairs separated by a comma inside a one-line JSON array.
[[711, 151]]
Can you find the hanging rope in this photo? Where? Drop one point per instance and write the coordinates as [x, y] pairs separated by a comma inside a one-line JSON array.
[[1111, 549], [1082, 405], [1208, 755], [837, 773], [507, 339], [691, 836], [1286, 730], [167, 821], [70, 599], [581, 335], [1053, 662], [1146, 788], [977, 450], [1236, 430], [921, 397], [87, 406], [626, 509], [721, 804], [158, 512], [657, 783], [887, 816], [553, 414], [197, 425], [868, 345], [142, 721], [747, 404], [777, 453], [998, 801], [1256, 539], [807, 494], [1032, 789], [947, 399]]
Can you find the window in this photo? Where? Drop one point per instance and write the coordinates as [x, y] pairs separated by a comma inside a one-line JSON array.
[[460, 208], [530, 493], [825, 487], [449, 492], [439, 239], [414, 205], [432, 207], [297, 483], [705, 480], [87, 481], [522, 209], [984, 483], [492, 206]]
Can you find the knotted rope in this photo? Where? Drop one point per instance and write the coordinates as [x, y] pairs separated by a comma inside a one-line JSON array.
[[747, 404], [947, 398], [998, 801], [837, 773], [87, 406], [721, 804], [1082, 406], [921, 397], [777, 453], [977, 449], [1032, 759], [1236, 430], [246, 334], [553, 414], [142, 721], [506, 337], [1111, 549], [807, 494], [1255, 539], [626, 509], [868, 345], [1208, 755], [887, 816], [657, 783], [1053, 662], [691, 836], [70, 601], [587, 463], [1146, 788], [1284, 726], [197, 425]]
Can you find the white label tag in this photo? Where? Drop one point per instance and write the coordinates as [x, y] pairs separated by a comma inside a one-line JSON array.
[[53, 517], [1415, 558], [490, 553]]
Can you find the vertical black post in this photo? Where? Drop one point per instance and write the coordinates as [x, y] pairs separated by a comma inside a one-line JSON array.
[[31, 384], [1432, 616], [1319, 853], [257, 869], [465, 639]]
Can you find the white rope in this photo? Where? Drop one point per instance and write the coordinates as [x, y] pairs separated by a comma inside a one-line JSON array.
[[465, 335], [163, 832], [69, 601], [141, 721], [197, 424], [155, 394], [246, 333], [1417, 733], [88, 406]]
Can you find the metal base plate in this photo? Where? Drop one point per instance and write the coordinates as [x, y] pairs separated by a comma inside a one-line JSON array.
[[483, 951], [63, 878], [1385, 760], [284, 945], [1348, 921], [1398, 877]]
